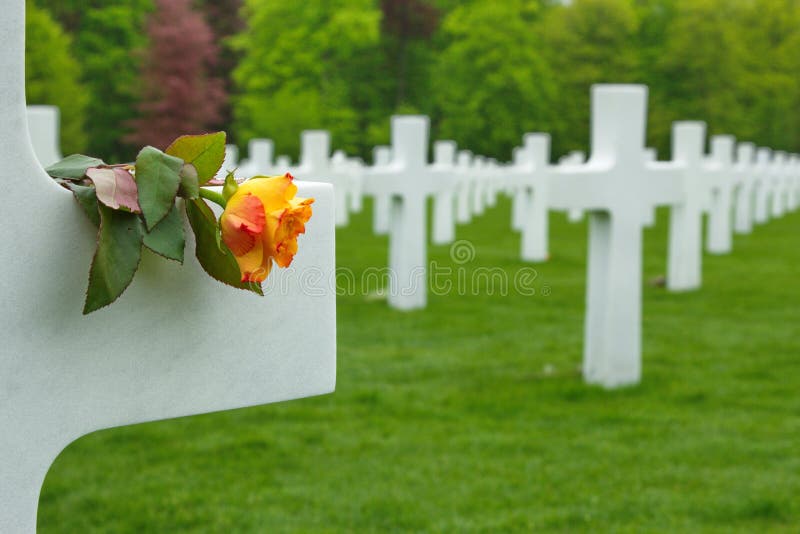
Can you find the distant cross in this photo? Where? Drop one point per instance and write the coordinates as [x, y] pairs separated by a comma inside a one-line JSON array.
[[315, 165], [531, 174], [685, 241], [259, 161], [743, 172], [409, 181], [444, 165], [575, 157], [464, 187], [381, 205], [762, 173], [722, 184], [619, 189], [479, 175], [157, 352], [778, 184], [793, 183]]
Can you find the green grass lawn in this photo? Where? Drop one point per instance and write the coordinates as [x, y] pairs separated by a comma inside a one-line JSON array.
[[471, 416]]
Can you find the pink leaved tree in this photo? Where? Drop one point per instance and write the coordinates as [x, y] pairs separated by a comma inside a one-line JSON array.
[[179, 95]]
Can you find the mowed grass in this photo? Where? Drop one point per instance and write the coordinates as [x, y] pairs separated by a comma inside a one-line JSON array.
[[471, 416]]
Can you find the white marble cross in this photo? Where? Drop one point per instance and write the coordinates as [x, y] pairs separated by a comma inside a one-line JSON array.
[[793, 183], [444, 164], [619, 189], [283, 164], [464, 187], [491, 184], [259, 160], [762, 172], [478, 185], [685, 242], [162, 351], [409, 181], [531, 175], [381, 205], [518, 194], [777, 184], [351, 173], [43, 126], [575, 157], [744, 173], [315, 164], [722, 183]]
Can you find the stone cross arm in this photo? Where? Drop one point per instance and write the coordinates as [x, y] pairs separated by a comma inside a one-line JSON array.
[[408, 174]]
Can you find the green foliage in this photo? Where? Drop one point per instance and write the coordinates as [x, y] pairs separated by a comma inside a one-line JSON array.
[[157, 179], [52, 76], [119, 250], [108, 42], [167, 238], [587, 42], [702, 57], [205, 153], [73, 166], [319, 67], [109, 45], [135, 206], [491, 83]]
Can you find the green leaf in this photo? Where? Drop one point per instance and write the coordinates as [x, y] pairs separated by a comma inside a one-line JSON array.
[[119, 249], [167, 239], [213, 256], [73, 167], [190, 186], [158, 178], [87, 199], [205, 152]]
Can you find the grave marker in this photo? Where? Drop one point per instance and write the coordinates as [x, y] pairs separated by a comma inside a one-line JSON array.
[[745, 179], [619, 189], [464, 187], [778, 184], [444, 222], [722, 184], [685, 243], [259, 162], [762, 171], [315, 165], [381, 206], [63, 375], [532, 175], [409, 182]]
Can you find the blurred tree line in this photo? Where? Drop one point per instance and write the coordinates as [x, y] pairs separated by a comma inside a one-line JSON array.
[[486, 71]]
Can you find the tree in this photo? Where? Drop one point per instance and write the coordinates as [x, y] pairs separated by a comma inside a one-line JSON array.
[[52, 76], [178, 95], [702, 59], [224, 18], [770, 87], [588, 42], [109, 41], [491, 83], [405, 23], [311, 64]]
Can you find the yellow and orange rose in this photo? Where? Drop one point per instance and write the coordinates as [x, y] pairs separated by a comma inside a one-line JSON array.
[[261, 223]]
